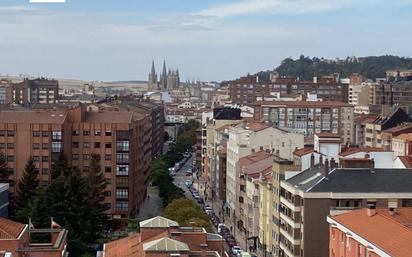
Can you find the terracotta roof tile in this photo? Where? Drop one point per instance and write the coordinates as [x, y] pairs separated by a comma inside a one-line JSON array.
[[406, 160], [392, 234], [10, 229], [26, 117], [353, 150], [406, 136], [303, 151]]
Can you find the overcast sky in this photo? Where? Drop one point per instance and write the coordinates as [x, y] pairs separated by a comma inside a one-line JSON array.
[[207, 40]]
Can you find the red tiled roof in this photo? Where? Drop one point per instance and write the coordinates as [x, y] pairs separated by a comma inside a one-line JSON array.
[[352, 150], [303, 151], [406, 160], [254, 157], [10, 229], [391, 233], [327, 134], [364, 117], [256, 126]]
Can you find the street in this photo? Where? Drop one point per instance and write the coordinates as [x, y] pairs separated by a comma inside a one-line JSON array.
[[180, 178]]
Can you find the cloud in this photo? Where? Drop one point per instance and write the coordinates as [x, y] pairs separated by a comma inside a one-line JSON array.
[[275, 6]]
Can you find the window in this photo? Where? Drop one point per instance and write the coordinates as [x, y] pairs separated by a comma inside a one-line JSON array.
[[97, 145], [86, 156], [56, 147], [122, 157], [108, 157], [107, 193], [57, 135], [86, 168], [122, 193], [75, 144], [45, 171], [75, 156], [122, 146], [45, 133], [2, 145], [108, 133], [2, 133], [45, 146], [36, 133], [86, 144], [122, 206], [97, 133], [108, 145], [36, 146], [122, 170], [36, 158], [10, 146], [10, 158], [10, 133], [75, 132], [108, 169], [45, 158], [86, 132]]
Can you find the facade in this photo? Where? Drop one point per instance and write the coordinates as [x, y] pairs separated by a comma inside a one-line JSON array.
[[374, 128], [245, 90], [402, 145], [37, 91], [309, 117], [394, 93], [4, 200], [310, 196], [5, 92], [120, 138], [161, 237], [389, 134], [152, 80], [168, 81], [16, 240], [361, 94], [374, 232]]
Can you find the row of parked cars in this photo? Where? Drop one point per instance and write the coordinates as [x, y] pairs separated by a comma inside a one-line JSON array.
[[195, 193]]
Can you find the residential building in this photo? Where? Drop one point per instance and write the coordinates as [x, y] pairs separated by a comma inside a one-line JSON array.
[[16, 239], [243, 140], [161, 237], [373, 129], [309, 117], [373, 232], [310, 196], [246, 89], [359, 127], [361, 96], [5, 91], [4, 200], [402, 145], [397, 93], [36, 91], [387, 135], [120, 138]]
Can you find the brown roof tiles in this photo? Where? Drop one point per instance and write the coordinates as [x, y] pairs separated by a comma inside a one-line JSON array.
[[10, 229]]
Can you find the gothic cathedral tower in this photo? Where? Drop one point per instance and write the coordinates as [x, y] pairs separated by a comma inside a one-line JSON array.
[[152, 81]]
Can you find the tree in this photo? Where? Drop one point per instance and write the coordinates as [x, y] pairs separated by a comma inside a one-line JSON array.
[[26, 190], [187, 212], [96, 189], [5, 171], [59, 166]]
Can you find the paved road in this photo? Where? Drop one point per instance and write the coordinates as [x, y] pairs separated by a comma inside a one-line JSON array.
[[152, 206], [180, 178]]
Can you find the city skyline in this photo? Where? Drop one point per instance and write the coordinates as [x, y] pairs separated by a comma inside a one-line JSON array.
[[207, 40]]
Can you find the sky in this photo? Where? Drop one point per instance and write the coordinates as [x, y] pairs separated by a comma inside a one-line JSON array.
[[112, 40]]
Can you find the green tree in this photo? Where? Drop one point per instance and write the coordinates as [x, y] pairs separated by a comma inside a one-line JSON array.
[[5, 171], [26, 190], [59, 166], [185, 212]]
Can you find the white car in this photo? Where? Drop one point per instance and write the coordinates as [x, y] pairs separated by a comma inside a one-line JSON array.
[[188, 183], [236, 249]]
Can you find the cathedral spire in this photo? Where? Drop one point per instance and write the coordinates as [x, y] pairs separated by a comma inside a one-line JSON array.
[[153, 71], [164, 68]]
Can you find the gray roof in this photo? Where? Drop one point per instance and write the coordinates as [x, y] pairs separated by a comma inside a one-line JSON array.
[[359, 180], [165, 244], [158, 222]]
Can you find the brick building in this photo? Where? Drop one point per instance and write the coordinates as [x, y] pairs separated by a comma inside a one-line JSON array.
[[36, 91], [121, 139], [16, 240], [309, 117], [161, 237], [371, 232]]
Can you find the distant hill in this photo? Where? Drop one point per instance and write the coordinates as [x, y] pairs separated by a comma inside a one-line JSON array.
[[370, 67]]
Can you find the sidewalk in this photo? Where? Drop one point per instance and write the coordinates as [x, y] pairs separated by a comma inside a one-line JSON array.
[[152, 206]]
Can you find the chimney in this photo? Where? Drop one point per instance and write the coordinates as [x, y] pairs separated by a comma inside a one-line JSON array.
[[372, 165], [392, 211], [312, 160], [326, 168], [333, 164], [371, 210]]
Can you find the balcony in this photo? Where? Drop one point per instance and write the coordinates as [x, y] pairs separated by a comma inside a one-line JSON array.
[[289, 204], [289, 221], [289, 236], [286, 250]]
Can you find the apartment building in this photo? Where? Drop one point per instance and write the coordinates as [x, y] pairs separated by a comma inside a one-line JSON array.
[[402, 145], [359, 127], [309, 117], [244, 139], [394, 93], [5, 91], [120, 138], [310, 196], [361, 94], [161, 237], [36, 91], [374, 128], [16, 239], [246, 89], [4, 200], [373, 232], [388, 135]]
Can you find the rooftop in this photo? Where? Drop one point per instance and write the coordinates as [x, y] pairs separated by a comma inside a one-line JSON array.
[[307, 104], [165, 244], [303, 151], [27, 117], [10, 229], [390, 233], [406, 136], [353, 150], [406, 160], [158, 222]]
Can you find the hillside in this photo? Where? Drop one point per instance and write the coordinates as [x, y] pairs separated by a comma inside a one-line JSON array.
[[370, 67]]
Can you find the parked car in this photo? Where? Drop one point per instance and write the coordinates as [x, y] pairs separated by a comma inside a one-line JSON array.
[[200, 200], [235, 249], [188, 183]]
